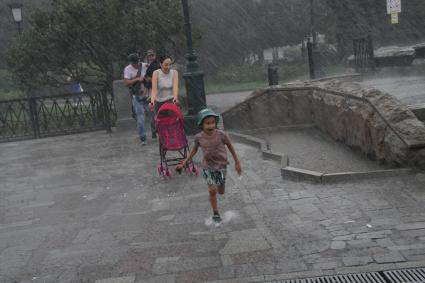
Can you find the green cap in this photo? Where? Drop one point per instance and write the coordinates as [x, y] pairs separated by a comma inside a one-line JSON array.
[[150, 52], [204, 113]]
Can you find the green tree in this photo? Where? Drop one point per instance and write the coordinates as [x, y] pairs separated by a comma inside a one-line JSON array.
[[90, 39]]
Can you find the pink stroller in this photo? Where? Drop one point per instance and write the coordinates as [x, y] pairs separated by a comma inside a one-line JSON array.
[[169, 124]]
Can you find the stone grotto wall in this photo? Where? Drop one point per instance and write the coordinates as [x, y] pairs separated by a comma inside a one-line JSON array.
[[366, 119]]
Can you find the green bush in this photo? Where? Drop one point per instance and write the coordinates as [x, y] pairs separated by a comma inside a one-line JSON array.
[[8, 90]]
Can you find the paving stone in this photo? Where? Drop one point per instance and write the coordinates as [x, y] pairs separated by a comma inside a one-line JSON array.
[[205, 275], [374, 235], [127, 279], [144, 226], [326, 265], [340, 233], [354, 261], [226, 260], [365, 243], [411, 226], [158, 279], [226, 272], [186, 264], [253, 270], [161, 260], [300, 195], [413, 233], [338, 245], [371, 267], [386, 242], [344, 237], [388, 257], [407, 247], [256, 195], [335, 228], [411, 264], [290, 265], [166, 217], [245, 241], [414, 255]]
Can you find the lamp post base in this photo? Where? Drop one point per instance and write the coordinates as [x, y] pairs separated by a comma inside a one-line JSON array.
[[190, 125], [195, 91], [196, 100]]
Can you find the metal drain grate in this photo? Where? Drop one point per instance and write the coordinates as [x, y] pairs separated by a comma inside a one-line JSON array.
[[372, 277], [406, 276]]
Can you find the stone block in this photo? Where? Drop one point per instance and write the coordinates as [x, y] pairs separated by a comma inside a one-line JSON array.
[[245, 241], [126, 279], [186, 264], [358, 260], [301, 174], [354, 176], [388, 258], [338, 245], [411, 226]]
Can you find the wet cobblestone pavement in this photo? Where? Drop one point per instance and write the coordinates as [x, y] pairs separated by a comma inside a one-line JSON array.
[[92, 208]]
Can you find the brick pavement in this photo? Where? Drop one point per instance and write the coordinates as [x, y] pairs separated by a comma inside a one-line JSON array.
[[91, 208]]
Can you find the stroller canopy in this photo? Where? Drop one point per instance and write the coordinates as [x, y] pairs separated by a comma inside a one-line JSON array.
[[169, 110], [169, 113]]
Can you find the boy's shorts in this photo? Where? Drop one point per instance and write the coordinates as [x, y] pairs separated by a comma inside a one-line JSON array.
[[215, 177]]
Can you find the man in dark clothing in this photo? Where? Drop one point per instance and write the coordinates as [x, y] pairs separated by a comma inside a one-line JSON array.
[[153, 65]]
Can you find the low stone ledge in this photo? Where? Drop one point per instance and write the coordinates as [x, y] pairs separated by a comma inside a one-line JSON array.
[[301, 174], [266, 153], [356, 176], [250, 140], [274, 128], [418, 110], [276, 156]]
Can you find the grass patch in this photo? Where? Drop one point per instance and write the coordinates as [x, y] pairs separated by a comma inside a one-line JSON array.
[[14, 94]]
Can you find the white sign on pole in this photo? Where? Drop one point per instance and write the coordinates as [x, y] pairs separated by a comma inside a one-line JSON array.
[[393, 6]]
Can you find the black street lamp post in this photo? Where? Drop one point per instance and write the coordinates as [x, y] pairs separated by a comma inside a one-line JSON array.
[[194, 78], [313, 47], [312, 23], [17, 14]]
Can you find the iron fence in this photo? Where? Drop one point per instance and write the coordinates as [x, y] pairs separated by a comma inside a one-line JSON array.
[[47, 116], [364, 60]]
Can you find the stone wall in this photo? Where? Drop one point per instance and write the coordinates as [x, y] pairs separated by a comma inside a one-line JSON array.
[[369, 120]]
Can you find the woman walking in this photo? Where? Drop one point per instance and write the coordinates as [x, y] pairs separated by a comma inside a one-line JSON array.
[[165, 84]]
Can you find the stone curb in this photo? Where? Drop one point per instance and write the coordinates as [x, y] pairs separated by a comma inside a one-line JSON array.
[[266, 152], [299, 174], [318, 177], [418, 110]]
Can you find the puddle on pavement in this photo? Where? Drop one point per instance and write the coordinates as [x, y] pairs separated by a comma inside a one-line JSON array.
[[313, 150], [225, 218]]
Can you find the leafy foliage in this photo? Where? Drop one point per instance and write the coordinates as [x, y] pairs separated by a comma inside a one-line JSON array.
[[90, 39]]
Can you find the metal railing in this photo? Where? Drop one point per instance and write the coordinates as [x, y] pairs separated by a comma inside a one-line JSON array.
[[46, 116], [364, 60]]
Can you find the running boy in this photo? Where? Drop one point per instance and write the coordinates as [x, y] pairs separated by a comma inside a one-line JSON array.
[[212, 141]]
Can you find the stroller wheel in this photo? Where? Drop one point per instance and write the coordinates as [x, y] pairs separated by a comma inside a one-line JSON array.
[[169, 174], [160, 170], [195, 170]]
